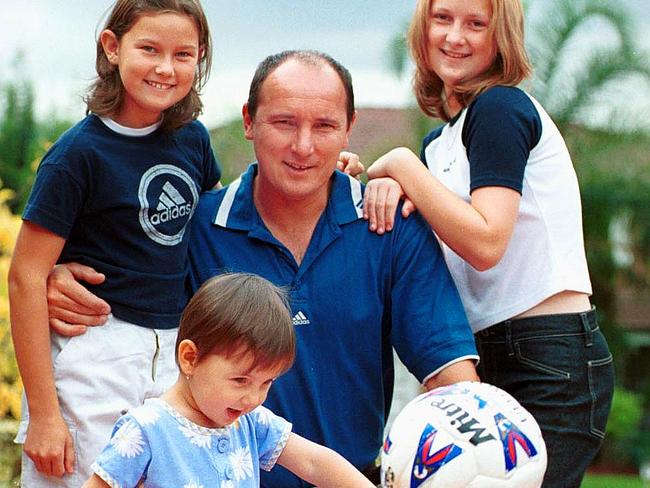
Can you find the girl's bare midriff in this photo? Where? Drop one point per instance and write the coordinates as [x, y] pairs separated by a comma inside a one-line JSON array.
[[564, 302]]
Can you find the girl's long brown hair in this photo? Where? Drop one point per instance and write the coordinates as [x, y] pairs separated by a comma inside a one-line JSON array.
[[106, 94]]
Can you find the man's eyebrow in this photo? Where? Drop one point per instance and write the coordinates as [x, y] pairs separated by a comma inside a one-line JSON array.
[[329, 120], [282, 115]]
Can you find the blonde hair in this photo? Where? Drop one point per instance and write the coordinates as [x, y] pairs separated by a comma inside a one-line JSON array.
[[106, 94], [510, 67]]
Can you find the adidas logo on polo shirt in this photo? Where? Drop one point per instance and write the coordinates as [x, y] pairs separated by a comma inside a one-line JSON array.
[[300, 319], [171, 205]]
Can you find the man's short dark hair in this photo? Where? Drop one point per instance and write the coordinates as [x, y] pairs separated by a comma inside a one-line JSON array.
[[316, 58]]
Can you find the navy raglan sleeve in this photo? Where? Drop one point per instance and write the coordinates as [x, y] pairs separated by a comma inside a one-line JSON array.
[[501, 128]]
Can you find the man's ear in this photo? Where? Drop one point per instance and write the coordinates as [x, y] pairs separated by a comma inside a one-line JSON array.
[[111, 45], [350, 125], [188, 356], [248, 122]]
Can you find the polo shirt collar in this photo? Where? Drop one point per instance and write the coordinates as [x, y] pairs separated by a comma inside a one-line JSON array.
[[237, 210]]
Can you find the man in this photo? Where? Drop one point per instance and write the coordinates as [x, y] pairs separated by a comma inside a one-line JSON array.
[[355, 295]]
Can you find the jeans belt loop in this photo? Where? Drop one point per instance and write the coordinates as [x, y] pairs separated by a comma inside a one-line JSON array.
[[509, 345], [589, 335]]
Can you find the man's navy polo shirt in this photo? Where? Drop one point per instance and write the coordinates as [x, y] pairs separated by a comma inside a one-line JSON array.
[[355, 295]]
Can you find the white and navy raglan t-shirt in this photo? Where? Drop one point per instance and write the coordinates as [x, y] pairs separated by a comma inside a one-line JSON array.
[[505, 138]]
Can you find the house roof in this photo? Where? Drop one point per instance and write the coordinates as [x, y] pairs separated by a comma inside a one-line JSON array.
[[379, 129]]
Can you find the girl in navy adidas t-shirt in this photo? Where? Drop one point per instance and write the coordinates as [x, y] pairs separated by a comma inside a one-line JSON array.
[[501, 194], [116, 193]]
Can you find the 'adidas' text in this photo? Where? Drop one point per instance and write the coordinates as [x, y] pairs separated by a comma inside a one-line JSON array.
[[171, 205]]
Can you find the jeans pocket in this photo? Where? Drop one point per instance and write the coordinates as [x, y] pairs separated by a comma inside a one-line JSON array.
[[601, 385], [545, 355]]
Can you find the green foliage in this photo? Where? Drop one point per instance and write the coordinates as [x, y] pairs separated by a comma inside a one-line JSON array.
[[398, 53], [625, 417], [567, 91], [23, 140], [235, 153], [17, 139], [611, 481]]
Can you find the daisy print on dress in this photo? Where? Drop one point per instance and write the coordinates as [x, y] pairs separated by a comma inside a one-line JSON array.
[[146, 416], [242, 463], [227, 484], [193, 484], [263, 416], [196, 438], [128, 440]]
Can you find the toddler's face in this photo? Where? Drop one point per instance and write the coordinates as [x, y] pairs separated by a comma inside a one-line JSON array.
[[224, 388]]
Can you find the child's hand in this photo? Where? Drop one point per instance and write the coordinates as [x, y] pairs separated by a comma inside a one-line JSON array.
[[350, 164], [380, 203], [388, 163], [49, 445]]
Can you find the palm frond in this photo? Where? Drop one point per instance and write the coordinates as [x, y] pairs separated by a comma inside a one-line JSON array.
[[599, 71], [555, 35], [398, 54]]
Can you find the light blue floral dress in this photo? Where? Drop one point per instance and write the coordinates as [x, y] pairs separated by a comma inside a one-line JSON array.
[[156, 446]]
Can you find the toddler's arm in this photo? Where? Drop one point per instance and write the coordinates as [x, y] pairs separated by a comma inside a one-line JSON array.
[[95, 482], [320, 465], [48, 443]]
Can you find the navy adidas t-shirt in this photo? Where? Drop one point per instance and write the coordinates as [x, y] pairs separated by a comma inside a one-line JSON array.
[[123, 203]]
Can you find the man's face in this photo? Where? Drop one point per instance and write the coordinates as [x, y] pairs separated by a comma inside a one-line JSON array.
[[298, 131]]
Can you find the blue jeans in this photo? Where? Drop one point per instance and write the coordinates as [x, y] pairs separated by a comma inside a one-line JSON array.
[[560, 369]]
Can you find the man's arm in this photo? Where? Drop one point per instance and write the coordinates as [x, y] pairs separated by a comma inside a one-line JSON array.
[[464, 370], [429, 329], [71, 307]]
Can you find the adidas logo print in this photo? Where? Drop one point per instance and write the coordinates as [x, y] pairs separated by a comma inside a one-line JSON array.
[[300, 319], [170, 197], [171, 205]]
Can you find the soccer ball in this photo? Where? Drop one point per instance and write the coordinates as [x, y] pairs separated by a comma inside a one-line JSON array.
[[466, 435]]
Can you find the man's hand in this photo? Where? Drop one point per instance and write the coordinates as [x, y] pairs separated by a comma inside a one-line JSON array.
[[49, 445], [72, 308]]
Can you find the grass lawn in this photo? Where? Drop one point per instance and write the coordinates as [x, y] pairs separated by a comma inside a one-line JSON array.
[[611, 481]]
